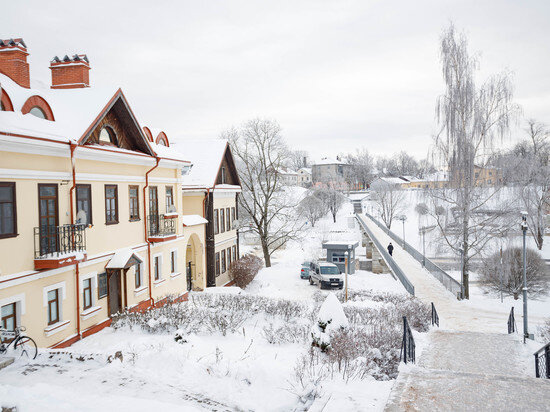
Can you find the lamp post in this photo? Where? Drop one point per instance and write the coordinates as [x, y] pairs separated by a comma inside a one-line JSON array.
[[524, 230], [461, 250], [423, 231], [346, 270], [402, 218]]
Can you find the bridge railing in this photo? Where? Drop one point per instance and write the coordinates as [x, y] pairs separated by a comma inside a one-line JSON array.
[[444, 278], [408, 347], [387, 258], [542, 362]]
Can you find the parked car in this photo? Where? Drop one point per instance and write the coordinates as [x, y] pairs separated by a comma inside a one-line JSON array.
[[325, 275], [304, 272]]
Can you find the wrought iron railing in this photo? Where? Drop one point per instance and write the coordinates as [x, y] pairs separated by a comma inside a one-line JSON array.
[[408, 347], [435, 316], [161, 226], [542, 362], [54, 241], [387, 258], [512, 322], [446, 280]]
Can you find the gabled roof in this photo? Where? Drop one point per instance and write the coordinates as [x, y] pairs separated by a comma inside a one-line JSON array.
[[206, 155]]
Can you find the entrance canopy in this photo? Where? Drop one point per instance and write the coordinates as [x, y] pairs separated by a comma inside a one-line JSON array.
[[123, 259]]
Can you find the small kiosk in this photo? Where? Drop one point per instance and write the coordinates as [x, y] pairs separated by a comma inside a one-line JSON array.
[[336, 253]]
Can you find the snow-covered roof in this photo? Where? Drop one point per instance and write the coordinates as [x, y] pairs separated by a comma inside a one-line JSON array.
[[393, 180], [192, 220], [357, 196], [206, 156], [305, 170], [122, 257], [347, 244], [286, 171], [74, 110], [168, 152], [329, 161]]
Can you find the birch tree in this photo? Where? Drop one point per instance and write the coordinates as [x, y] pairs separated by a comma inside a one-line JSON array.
[[260, 152], [389, 200], [472, 120]]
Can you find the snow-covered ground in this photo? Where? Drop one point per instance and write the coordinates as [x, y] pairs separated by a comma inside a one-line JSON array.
[[239, 371]]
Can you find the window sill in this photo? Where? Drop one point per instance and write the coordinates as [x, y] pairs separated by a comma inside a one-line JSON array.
[[9, 235], [159, 281], [111, 223], [134, 220], [56, 327], [175, 275], [140, 290], [90, 312]]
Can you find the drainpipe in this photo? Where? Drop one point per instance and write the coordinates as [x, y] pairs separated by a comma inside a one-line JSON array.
[[151, 300], [77, 266]]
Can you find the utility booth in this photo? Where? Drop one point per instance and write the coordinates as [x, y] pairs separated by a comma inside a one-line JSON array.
[[336, 253]]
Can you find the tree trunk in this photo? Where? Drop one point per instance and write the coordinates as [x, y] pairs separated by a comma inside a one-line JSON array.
[[267, 256], [334, 217]]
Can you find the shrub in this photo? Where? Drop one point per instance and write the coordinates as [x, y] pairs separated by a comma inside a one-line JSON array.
[[244, 270], [544, 331], [538, 281]]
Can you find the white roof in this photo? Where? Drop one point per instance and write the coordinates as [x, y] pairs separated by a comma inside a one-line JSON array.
[[192, 220], [168, 152], [392, 180], [305, 170], [206, 156], [74, 110], [121, 258], [329, 161]]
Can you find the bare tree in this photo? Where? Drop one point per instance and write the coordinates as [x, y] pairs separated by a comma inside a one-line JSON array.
[[260, 153], [297, 159], [362, 165], [403, 164], [472, 120], [331, 198], [312, 207], [538, 135], [511, 270], [389, 199]]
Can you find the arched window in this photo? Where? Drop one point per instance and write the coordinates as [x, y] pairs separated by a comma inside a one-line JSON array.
[[38, 112], [107, 135]]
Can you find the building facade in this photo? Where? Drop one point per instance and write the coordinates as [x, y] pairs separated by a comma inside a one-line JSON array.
[[91, 217], [214, 180]]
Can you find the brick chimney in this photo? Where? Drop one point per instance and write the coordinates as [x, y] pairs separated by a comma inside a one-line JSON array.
[[13, 61], [70, 72]]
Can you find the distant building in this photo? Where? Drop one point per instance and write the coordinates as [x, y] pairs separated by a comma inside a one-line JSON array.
[[304, 176], [288, 176], [330, 171]]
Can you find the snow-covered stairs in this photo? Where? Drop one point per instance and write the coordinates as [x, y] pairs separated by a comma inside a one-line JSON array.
[[470, 371]]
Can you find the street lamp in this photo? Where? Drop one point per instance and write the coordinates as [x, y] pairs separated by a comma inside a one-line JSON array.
[[346, 270], [423, 232], [461, 250], [524, 230], [402, 218]]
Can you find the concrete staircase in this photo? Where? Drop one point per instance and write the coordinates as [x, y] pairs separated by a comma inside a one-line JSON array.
[[470, 371]]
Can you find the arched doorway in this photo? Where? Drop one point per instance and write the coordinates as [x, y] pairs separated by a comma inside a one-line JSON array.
[[193, 264]]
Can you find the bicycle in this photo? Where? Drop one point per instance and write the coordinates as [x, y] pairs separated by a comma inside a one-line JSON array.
[[22, 344]]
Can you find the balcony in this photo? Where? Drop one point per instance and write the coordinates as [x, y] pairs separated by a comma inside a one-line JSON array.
[[161, 228], [58, 246]]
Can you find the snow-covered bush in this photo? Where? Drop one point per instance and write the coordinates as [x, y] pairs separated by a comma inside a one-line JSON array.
[[244, 270], [286, 333], [511, 269], [331, 318]]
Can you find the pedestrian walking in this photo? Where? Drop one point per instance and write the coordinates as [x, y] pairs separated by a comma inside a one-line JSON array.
[[390, 249]]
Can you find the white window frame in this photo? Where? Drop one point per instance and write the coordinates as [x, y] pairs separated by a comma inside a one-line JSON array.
[[160, 279], [20, 306], [61, 324], [94, 309], [175, 272], [141, 268]]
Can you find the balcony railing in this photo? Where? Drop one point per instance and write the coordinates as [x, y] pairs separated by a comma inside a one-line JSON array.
[[58, 241], [159, 226]]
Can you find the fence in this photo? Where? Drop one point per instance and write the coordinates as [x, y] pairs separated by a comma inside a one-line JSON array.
[[542, 362], [388, 259], [408, 347], [53, 241], [446, 280], [435, 316], [512, 322]]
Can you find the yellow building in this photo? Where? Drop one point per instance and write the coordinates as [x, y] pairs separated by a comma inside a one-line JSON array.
[[91, 217], [212, 186]]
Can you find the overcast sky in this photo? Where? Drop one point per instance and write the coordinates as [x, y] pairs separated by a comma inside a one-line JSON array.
[[337, 75]]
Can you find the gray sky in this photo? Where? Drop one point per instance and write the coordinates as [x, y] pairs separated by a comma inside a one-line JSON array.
[[337, 75]]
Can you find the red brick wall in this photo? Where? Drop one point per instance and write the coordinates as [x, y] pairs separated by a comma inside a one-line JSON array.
[[13, 63], [70, 76]]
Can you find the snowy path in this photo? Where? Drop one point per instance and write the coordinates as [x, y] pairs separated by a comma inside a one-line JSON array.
[[469, 371], [453, 314]]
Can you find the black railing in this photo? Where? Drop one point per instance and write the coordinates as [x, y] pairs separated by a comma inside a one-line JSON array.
[[53, 241], [435, 316], [408, 347], [542, 362], [161, 226], [512, 322]]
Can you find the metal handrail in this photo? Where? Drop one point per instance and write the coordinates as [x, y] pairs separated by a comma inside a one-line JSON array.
[[388, 259], [408, 347], [435, 316], [542, 362], [161, 226], [446, 280], [512, 322]]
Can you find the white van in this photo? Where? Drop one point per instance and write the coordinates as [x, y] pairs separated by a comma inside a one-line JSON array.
[[326, 275]]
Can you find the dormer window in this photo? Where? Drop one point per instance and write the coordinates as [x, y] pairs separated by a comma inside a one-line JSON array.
[[38, 112], [108, 136]]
